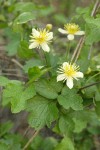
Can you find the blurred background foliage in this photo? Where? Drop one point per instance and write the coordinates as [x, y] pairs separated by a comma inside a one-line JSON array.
[[17, 18]]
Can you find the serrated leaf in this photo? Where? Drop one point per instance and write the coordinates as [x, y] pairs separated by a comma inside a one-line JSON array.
[[43, 88], [42, 112], [24, 17], [70, 99], [18, 97], [65, 144], [92, 29]]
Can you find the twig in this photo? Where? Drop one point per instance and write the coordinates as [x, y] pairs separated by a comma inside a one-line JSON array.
[[31, 139], [80, 47], [15, 75], [84, 87], [13, 60], [17, 63], [96, 6], [77, 47], [26, 131]]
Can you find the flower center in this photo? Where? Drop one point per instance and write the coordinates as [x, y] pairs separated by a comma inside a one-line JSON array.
[[72, 28], [70, 70], [42, 37]]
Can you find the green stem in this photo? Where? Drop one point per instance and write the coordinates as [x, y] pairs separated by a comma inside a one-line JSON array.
[[93, 77], [68, 50]]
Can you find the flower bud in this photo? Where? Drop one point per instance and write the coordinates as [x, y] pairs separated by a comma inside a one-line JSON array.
[[49, 26]]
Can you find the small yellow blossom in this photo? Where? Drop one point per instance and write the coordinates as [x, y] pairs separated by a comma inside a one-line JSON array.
[[71, 29], [40, 38], [68, 72]]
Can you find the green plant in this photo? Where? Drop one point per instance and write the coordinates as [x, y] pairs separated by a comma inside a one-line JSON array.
[[72, 110]]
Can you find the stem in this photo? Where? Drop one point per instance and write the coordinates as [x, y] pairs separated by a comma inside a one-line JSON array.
[[68, 50], [76, 49], [93, 77], [95, 8], [84, 87], [80, 47], [30, 140], [41, 54]]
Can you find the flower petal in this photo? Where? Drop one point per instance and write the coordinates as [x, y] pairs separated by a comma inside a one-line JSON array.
[[35, 32], [70, 37], [69, 83], [80, 33], [45, 47], [60, 77], [49, 36], [33, 45], [79, 75], [62, 31]]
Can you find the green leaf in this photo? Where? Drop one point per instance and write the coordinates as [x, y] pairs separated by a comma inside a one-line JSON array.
[[81, 118], [49, 143], [28, 92], [66, 144], [43, 88], [24, 6], [66, 124], [3, 146], [42, 112], [92, 29], [56, 85], [18, 97], [23, 50], [12, 141], [70, 99], [97, 108], [34, 72], [36, 143], [3, 81], [79, 125], [14, 40], [24, 17], [32, 63], [5, 128]]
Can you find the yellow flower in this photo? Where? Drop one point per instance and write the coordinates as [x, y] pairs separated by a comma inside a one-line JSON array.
[[40, 38], [69, 72], [71, 29]]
